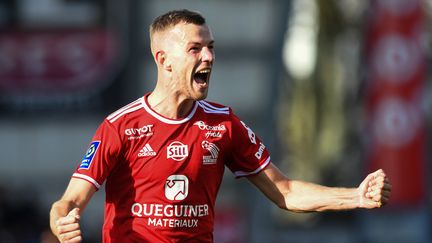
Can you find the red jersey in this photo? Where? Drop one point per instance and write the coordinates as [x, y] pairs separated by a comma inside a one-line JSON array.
[[162, 175]]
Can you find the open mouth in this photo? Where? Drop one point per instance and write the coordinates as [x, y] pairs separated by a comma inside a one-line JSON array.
[[202, 76]]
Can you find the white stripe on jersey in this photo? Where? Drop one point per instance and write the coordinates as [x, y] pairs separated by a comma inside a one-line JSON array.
[[124, 110], [242, 173], [132, 109], [87, 178], [166, 120], [211, 109]]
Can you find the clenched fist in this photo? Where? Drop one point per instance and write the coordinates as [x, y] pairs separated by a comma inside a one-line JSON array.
[[374, 191], [68, 227]]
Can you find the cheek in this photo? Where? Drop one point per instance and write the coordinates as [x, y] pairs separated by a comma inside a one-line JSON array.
[[182, 65], [186, 67]]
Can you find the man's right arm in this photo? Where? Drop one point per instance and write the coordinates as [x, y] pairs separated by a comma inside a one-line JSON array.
[[65, 213]]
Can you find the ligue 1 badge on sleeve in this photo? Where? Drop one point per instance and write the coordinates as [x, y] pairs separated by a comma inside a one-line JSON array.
[[88, 157]]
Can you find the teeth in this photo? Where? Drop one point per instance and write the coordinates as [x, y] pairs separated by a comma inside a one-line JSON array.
[[204, 71]]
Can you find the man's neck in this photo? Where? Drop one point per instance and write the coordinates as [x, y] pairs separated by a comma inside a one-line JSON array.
[[170, 105]]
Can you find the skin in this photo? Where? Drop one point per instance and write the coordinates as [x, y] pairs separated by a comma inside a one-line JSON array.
[[179, 53]]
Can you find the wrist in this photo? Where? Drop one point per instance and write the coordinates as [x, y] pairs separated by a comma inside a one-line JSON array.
[[359, 199]]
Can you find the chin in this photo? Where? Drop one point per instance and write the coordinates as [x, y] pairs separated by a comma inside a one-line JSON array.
[[201, 96]]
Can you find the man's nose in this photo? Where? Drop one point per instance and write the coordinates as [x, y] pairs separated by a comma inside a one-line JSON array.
[[207, 55]]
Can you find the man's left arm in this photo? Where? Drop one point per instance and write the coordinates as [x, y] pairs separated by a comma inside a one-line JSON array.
[[300, 196]]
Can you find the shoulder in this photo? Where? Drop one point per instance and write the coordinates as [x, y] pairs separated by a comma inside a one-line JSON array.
[[131, 108], [214, 108]]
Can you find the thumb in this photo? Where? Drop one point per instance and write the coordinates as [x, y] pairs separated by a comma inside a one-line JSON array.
[[74, 213]]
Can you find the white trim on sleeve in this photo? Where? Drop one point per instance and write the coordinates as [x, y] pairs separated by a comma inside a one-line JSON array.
[[87, 178], [243, 173]]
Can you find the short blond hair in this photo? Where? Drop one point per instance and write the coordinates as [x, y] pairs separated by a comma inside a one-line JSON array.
[[172, 18]]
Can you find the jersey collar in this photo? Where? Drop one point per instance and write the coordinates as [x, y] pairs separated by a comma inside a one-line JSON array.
[[165, 119]]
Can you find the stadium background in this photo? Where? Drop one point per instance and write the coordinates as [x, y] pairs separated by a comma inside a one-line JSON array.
[[334, 88]]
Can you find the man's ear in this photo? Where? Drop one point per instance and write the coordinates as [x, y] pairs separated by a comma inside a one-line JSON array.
[[161, 59]]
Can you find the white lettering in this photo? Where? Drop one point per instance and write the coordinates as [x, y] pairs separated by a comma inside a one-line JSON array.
[[136, 209], [251, 134], [173, 223], [168, 215], [260, 151], [202, 126], [177, 151], [151, 221], [178, 211], [159, 223], [137, 133], [169, 210], [211, 134], [158, 210], [150, 212]]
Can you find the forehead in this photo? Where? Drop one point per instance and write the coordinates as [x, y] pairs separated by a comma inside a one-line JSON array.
[[191, 33]]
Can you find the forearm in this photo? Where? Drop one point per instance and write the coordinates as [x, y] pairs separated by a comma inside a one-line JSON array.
[[308, 197]]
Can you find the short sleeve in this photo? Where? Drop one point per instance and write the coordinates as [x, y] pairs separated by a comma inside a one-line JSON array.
[[248, 154], [101, 156]]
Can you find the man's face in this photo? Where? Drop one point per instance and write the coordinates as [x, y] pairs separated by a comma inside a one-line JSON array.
[[190, 53]]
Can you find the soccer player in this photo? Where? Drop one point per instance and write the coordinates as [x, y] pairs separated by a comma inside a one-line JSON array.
[[162, 157]]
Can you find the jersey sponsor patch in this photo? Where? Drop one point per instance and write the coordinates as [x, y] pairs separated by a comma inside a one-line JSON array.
[[177, 151], [203, 126], [213, 150], [89, 155], [176, 187], [251, 134], [137, 133], [147, 151], [211, 131]]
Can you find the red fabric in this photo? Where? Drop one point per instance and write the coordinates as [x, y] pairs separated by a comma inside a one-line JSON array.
[[162, 176]]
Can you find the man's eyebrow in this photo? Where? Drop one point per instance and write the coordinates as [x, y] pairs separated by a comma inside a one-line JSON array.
[[199, 43]]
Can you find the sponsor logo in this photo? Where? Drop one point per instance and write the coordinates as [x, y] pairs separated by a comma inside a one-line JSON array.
[[260, 151], [211, 134], [177, 151], [176, 187], [137, 133], [172, 215], [146, 151], [212, 131], [251, 134], [89, 155], [201, 125], [214, 152]]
